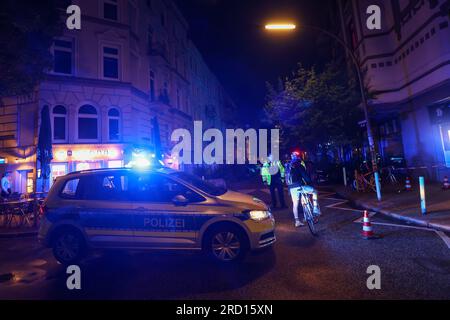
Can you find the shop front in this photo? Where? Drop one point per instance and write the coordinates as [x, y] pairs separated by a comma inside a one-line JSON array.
[[20, 169], [440, 119], [77, 157], [68, 158]]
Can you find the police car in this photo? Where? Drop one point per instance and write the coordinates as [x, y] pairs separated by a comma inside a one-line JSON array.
[[151, 209]]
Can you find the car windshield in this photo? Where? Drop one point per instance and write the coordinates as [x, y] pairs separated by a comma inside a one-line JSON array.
[[200, 184]]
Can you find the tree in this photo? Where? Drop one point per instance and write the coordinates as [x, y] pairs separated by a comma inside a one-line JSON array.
[[317, 111], [27, 28]]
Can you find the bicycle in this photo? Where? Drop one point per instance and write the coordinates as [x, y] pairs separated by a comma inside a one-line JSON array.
[[308, 211], [364, 182]]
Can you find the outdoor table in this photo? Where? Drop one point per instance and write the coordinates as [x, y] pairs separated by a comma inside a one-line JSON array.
[[10, 209]]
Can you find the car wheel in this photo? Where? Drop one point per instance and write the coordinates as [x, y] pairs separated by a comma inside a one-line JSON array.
[[226, 244], [68, 247]]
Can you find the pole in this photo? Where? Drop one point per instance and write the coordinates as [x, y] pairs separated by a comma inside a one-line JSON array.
[[344, 171], [423, 205], [378, 185]]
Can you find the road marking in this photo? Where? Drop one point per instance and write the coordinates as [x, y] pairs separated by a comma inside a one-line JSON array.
[[326, 193], [360, 220], [341, 202], [444, 237], [396, 225]]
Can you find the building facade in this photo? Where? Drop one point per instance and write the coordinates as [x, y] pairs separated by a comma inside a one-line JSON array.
[[131, 61], [407, 68]]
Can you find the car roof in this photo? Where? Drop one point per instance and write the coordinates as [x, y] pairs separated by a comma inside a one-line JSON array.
[[163, 170]]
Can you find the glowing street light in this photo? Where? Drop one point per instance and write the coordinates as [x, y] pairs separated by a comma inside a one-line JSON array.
[[280, 26]]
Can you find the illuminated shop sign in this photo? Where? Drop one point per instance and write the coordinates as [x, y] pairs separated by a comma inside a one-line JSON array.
[[88, 153]]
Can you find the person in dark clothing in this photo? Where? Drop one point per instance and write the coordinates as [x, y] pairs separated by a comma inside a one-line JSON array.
[[273, 175], [299, 181]]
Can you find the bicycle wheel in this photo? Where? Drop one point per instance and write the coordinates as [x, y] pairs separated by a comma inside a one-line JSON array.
[[309, 218]]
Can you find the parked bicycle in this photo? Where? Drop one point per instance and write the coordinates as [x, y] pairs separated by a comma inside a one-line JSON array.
[[364, 182]]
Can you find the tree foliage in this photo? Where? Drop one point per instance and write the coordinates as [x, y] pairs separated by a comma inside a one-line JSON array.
[[316, 110], [27, 28]]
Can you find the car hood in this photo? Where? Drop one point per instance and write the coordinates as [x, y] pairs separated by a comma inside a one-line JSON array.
[[243, 201]]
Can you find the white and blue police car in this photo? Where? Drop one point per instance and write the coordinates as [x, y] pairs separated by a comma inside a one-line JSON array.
[[151, 209]]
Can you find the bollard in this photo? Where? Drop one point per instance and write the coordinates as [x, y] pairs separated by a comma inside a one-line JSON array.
[[423, 205], [345, 176], [378, 185]]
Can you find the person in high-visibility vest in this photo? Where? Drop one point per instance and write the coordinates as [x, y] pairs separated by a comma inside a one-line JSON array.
[[273, 175]]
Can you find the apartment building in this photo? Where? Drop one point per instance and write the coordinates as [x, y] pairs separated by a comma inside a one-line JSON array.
[[407, 68], [131, 61]]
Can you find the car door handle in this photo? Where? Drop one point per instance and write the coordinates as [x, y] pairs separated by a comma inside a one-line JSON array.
[[141, 209]]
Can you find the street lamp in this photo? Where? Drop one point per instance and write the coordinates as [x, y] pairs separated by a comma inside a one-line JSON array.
[[280, 26], [290, 27]]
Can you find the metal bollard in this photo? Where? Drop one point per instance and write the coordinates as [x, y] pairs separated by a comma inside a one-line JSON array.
[[378, 185], [344, 171], [423, 205]]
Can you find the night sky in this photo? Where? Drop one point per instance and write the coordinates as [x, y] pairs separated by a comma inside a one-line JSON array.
[[230, 34]]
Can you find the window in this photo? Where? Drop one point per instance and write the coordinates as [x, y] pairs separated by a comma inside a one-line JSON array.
[[165, 133], [132, 17], [71, 189], [62, 51], [152, 86], [156, 188], [115, 164], [111, 63], [164, 93], [57, 170], [200, 184], [108, 187], [445, 131], [110, 10], [178, 99], [87, 123], [150, 38], [114, 124], [59, 123]]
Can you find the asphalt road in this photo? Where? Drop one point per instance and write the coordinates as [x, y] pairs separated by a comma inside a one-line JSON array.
[[414, 263]]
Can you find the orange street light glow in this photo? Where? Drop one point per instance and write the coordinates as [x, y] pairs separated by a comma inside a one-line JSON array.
[[287, 26]]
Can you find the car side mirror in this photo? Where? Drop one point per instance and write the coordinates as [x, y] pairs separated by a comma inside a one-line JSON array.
[[180, 201]]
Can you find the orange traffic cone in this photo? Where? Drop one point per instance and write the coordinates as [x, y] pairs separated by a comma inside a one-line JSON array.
[[367, 232], [446, 184], [408, 186]]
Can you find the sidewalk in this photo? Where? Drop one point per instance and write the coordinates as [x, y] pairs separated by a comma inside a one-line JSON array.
[[406, 205], [17, 232]]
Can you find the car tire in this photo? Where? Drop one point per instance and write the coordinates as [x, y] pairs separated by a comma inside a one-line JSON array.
[[68, 246], [226, 244]]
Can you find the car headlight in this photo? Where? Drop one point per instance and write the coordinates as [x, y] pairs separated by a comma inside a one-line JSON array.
[[258, 215]]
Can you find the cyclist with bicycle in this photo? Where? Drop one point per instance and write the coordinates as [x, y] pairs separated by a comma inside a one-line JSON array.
[[299, 182]]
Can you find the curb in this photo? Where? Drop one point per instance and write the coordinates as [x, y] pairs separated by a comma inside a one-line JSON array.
[[13, 235], [414, 221]]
